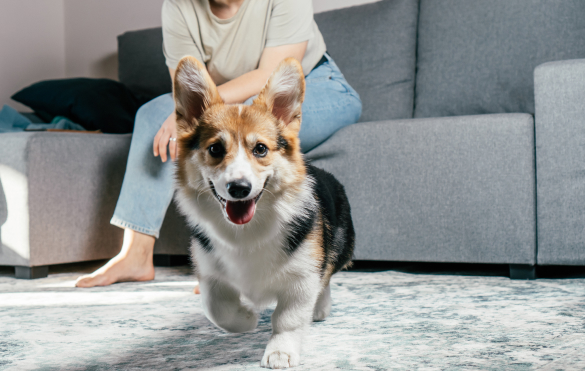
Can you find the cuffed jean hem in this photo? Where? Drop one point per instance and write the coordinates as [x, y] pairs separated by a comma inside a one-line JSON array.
[[124, 224]]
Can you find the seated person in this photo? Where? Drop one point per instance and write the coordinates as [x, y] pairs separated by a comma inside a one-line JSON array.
[[240, 42]]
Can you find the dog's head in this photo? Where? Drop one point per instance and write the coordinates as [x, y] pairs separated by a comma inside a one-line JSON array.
[[238, 152]]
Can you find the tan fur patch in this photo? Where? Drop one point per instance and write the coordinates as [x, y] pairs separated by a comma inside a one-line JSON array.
[[327, 276], [316, 240]]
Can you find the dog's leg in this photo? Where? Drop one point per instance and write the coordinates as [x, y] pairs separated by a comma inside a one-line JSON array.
[[323, 306], [222, 306], [290, 319]]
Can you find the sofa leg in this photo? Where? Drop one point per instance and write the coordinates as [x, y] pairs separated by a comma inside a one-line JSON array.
[[29, 273], [522, 272], [166, 260]]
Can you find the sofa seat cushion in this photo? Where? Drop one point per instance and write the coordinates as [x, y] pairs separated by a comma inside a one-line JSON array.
[[478, 57], [374, 46], [456, 189]]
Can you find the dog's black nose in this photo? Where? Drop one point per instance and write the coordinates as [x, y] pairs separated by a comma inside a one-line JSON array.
[[239, 189]]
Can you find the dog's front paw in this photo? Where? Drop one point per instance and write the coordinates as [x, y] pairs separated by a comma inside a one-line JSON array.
[[320, 314], [280, 359], [242, 320]]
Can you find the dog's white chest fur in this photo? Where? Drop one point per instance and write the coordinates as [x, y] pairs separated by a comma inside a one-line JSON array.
[[259, 273], [253, 258]]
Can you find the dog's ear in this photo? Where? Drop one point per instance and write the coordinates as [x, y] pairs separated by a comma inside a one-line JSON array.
[[194, 91], [284, 93]]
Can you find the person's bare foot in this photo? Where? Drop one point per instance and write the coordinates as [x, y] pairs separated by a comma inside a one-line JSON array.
[[133, 263]]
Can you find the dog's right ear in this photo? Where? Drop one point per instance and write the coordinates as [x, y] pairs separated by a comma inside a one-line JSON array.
[[284, 93], [193, 90]]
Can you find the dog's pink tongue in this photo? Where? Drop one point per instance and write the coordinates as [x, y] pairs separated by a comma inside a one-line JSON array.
[[240, 212]]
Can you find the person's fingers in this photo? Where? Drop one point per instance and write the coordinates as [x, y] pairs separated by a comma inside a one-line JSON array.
[[155, 142], [173, 148], [162, 146]]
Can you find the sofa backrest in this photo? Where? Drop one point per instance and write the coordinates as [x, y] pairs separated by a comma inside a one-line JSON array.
[[478, 57], [141, 63], [374, 46]]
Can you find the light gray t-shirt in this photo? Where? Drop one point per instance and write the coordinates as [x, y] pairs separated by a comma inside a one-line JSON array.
[[232, 47]]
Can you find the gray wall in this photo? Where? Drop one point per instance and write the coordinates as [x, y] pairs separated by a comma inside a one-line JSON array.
[[91, 27], [46, 39], [32, 44]]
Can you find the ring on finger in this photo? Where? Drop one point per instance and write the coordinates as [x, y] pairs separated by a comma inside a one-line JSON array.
[[173, 139]]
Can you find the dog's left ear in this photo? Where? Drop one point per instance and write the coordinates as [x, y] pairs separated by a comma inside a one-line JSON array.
[[194, 91], [284, 93]]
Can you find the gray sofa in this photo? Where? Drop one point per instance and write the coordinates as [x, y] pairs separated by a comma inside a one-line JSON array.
[[471, 145]]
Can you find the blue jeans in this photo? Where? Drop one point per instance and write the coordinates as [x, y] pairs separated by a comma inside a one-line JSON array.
[[330, 104]]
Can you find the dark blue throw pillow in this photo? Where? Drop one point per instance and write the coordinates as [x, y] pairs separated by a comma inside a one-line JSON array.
[[95, 104]]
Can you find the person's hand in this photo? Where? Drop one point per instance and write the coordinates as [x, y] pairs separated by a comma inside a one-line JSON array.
[[167, 131]]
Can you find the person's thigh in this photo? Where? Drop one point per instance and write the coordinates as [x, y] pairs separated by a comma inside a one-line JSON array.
[[330, 104]]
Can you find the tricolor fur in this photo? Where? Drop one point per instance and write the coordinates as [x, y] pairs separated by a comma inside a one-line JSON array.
[[267, 227]]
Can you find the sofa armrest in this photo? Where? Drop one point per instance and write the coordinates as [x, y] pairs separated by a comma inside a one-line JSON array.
[[559, 89], [57, 194], [14, 225]]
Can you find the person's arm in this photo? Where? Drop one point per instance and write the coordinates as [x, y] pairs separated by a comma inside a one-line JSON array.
[[233, 91], [251, 83]]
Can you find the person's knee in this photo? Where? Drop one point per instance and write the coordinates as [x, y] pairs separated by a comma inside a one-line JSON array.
[[350, 112], [154, 107], [152, 114], [144, 111], [356, 110], [320, 124]]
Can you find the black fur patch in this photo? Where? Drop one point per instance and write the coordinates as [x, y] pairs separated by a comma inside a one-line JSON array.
[[281, 142], [300, 227], [203, 240], [338, 232]]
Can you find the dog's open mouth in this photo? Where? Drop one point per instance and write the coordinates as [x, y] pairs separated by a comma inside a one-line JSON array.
[[238, 212]]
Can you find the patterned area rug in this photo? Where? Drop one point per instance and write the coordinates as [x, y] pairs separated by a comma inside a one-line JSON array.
[[385, 320]]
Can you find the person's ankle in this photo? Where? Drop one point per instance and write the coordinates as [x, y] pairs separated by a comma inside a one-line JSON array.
[[137, 243]]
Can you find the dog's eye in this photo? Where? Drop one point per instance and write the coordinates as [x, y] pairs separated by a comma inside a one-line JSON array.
[[216, 150], [260, 150]]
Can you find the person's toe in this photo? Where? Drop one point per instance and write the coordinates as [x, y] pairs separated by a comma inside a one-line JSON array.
[[84, 281], [91, 281]]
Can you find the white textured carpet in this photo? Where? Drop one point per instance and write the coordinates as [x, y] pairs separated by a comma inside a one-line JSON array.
[[380, 321]]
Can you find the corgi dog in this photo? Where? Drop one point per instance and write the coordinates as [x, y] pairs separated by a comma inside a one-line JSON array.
[[266, 226]]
